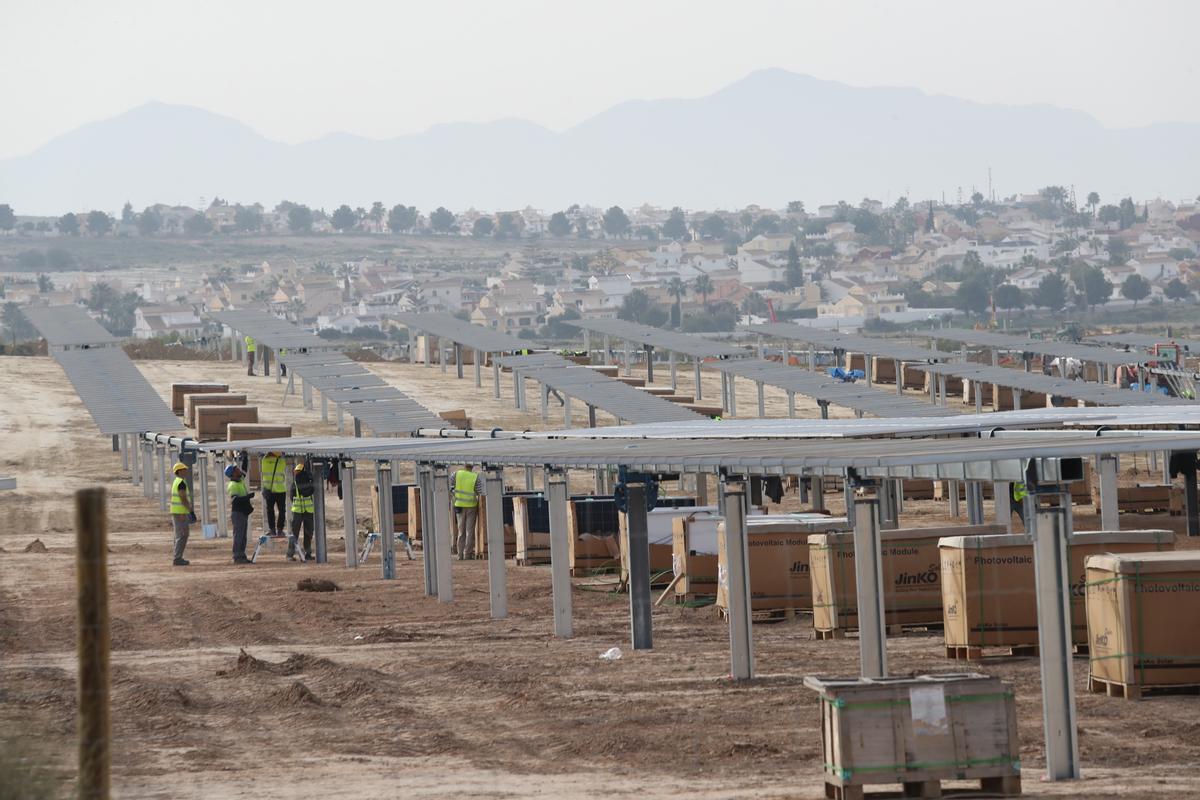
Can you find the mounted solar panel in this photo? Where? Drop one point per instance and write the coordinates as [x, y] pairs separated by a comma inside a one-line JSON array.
[[67, 326], [671, 341], [453, 329], [115, 392]]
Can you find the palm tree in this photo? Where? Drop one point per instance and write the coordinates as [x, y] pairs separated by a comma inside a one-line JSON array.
[[677, 287], [704, 286], [1093, 200], [295, 309]]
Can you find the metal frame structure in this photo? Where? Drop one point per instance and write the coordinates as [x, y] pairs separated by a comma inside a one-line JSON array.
[[483, 341], [1020, 381], [114, 391], [649, 338], [597, 391], [1047, 347]]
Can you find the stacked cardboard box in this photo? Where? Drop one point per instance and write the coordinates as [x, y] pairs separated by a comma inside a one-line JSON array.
[[242, 431], [212, 421], [180, 390], [777, 547], [194, 401], [912, 576], [1141, 615], [989, 597], [660, 532], [694, 556], [531, 529], [918, 731], [400, 507], [592, 544]]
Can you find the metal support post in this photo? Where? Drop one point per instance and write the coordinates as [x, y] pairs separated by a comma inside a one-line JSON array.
[[442, 357], [1109, 514], [1051, 531], [566, 411], [560, 570], [737, 580], [350, 525], [898, 369], [762, 400], [458, 365], [954, 512], [975, 502], [817, 492], [639, 568], [445, 533], [529, 484], [428, 534], [885, 492], [696, 364], [319, 543], [387, 533], [674, 373], [324, 408], [164, 482], [306, 393], [824, 406], [591, 416], [495, 378], [478, 359], [135, 447], [628, 359], [732, 395], [791, 405], [1002, 498], [649, 364], [222, 516], [202, 468], [493, 498], [868, 573], [607, 359]]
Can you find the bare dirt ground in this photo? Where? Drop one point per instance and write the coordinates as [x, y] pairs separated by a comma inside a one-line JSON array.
[[227, 682]]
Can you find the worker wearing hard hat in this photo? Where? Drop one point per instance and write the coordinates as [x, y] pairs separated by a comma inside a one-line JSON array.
[[466, 510], [240, 508], [273, 469], [182, 514], [303, 507], [250, 348]]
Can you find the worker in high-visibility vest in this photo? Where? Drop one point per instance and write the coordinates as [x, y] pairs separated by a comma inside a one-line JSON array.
[[303, 507], [273, 479], [240, 510], [282, 366], [1018, 494], [465, 485], [182, 514], [250, 348]]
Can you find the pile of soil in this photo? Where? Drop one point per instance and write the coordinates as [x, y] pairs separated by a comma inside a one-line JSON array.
[[35, 546], [316, 585], [297, 694]]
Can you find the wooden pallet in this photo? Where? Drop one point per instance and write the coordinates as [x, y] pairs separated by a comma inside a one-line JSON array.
[[536, 561], [972, 653], [1006, 785], [593, 571], [693, 597], [764, 614], [892, 630], [1131, 691]]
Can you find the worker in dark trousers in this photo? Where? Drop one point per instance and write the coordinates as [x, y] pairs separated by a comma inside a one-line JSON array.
[[240, 510], [273, 469], [303, 507], [251, 347]]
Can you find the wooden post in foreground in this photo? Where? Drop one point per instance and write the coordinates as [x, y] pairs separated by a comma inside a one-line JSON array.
[[91, 573]]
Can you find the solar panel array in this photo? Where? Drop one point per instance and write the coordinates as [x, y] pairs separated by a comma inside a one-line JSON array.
[[1003, 341], [277, 334], [1099, 394], [63, 326], [533, 360], [115, 392], [851, 343], [695, 346], [476, 337], [855, 396], [1145, 341], [608, 394], [361, 393]]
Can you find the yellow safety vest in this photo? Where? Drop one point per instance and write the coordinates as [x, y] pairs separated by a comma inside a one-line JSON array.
[[274, 474], [177, 506], [250, 344], [464, 489], [237, 489], [1019, 491], [302, 504]]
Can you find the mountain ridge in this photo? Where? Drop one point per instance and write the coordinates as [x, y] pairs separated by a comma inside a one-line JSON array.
[[767, 138]]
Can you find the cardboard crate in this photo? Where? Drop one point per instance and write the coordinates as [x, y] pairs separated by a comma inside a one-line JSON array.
[[694, 554], [1141, 617], [918, 731], [593, 543], [400, 507], [1144, 497], [242, 431], [458, 419], [989, 594], [532, 540], [413, 504], [212, 421], [777, 546], [912, 575], [179, 390], [193, 401], [659, 532]]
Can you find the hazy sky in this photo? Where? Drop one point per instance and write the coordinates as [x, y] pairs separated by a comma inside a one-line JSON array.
[[297, 70]]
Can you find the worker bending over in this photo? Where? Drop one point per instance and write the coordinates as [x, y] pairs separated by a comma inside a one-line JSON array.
[[274, 487], [182, 514], [240, 510], [465, 484], [302, 511]]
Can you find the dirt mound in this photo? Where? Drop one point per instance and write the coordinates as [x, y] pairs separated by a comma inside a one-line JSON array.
[[35, 546], [315, 585], [388, 634], [247, 664], [158, 698], [297, 694]]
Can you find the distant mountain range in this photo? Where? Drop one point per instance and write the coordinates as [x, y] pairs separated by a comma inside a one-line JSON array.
[[771, 137]]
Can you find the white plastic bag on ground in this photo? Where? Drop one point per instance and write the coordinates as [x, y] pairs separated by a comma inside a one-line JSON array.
[[611, 654]]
